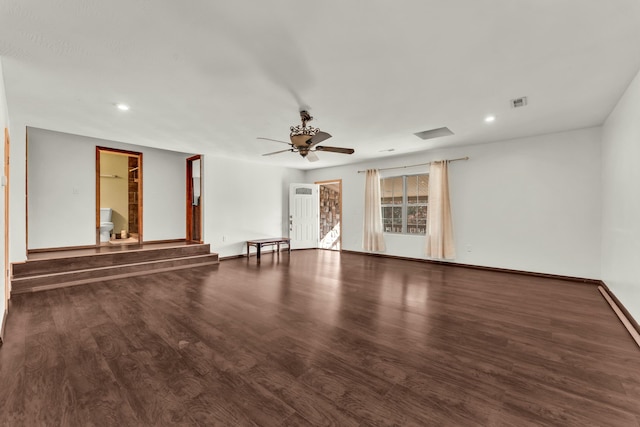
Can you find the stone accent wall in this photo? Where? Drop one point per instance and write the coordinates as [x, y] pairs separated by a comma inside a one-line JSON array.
[[329, 218]]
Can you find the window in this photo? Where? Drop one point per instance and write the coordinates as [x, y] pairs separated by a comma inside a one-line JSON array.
[[404, 204]]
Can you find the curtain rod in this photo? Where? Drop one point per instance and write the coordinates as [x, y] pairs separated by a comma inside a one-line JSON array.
[[420, 164]]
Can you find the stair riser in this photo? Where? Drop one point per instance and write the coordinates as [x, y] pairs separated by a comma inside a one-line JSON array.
[[212, 264], [26, 284], [60, 265]]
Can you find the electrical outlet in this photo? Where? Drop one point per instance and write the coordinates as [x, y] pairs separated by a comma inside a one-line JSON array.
[[224, 238], [468, 248]]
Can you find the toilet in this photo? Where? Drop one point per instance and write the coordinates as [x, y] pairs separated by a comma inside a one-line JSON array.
[[105, 224]]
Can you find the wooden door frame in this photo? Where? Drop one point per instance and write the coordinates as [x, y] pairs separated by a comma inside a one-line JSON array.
[[127, 153], [189, 199], [6, 273], [332, 181]]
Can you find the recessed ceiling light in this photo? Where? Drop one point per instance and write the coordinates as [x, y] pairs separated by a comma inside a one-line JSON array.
[[490, 119], [123, 107]]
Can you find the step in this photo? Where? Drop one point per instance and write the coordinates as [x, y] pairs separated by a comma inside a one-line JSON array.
[[62, 264], [48, 281]]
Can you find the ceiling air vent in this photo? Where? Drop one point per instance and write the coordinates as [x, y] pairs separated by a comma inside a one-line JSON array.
[[519, 102], [434, 133]]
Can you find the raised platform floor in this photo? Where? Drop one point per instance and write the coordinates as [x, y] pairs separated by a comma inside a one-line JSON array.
[[60, 268]]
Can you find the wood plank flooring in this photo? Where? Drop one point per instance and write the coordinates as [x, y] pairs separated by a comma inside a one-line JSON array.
[[319, 338], [106, 249]]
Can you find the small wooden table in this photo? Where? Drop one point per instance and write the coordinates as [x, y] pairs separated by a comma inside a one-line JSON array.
[[259, 243]]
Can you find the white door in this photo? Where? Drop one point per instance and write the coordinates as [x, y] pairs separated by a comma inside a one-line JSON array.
[[303, 216]]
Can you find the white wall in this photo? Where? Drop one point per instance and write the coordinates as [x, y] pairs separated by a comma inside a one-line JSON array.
[[4, 123], [164, 193], [530, 204], [62, 200], [17, 188], [61, 184], [621, 200], [244, 201]]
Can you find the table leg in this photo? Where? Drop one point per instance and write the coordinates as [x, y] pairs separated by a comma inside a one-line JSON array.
[[258, 246], [248, 253]]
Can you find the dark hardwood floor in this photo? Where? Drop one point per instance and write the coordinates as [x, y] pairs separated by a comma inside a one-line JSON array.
[[106, 249], [319, 338]]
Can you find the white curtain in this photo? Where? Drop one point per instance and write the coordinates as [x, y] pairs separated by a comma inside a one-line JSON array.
[[440, 243], [373, 239]]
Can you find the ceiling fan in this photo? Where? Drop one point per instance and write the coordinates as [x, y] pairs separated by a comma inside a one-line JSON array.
[[304, 140]]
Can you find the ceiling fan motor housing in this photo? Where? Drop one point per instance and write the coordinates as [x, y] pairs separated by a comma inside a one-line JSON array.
[[301, 134], [303, 151], [301, 140]]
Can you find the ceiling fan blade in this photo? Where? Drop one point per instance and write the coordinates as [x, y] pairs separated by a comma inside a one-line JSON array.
[[277, 152], [312, 157], [318, 138], [274, 140], [335, 149]]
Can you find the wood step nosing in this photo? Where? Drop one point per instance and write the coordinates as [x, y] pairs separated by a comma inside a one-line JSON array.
[[40, 288], [109, 267], [22, 265], [115, 252]]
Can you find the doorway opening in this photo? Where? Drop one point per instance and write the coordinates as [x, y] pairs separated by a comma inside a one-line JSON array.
[[330, 215], [194, 199], [118, 197]]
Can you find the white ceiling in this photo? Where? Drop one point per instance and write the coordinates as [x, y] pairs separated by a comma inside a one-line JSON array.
[[209, 76]]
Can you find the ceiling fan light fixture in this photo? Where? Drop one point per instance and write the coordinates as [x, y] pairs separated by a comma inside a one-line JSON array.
[[304, 140], [303, 129]]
